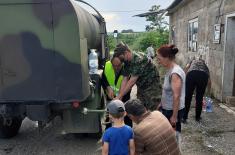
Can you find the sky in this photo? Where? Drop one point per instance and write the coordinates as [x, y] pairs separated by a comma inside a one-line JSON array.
[[119, 14]]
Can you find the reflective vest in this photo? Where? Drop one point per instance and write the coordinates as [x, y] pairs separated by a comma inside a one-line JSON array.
[[110, 75]]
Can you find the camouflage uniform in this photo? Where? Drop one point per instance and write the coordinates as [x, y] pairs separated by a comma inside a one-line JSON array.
[[148, 83]]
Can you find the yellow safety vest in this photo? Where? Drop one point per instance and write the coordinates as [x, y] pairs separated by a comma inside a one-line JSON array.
[[110, 75]]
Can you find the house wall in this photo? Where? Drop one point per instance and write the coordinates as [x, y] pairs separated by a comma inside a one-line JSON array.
[[208, 12]]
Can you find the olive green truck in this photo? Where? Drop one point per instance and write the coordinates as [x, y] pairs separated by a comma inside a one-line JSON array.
[[44, 65]]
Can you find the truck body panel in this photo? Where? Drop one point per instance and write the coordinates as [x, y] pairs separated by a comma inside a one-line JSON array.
[[44, 47]]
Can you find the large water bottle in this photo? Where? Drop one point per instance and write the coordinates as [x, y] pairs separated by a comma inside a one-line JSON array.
[[93, 62], [209, 105]]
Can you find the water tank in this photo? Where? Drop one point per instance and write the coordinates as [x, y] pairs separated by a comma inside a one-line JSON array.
[[44, 48]]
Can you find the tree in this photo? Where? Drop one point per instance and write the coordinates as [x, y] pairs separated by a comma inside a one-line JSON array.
[[156, 18], [111, 42], [127, 31], [154, 38]]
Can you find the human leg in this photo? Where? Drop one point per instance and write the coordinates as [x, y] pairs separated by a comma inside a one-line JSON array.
[[200, 90], [168, 114], [190, 86]]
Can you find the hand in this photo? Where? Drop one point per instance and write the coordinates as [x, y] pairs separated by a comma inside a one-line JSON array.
[[110, 92], [173, 121], [159, 105], [118, 98], [149, 59]]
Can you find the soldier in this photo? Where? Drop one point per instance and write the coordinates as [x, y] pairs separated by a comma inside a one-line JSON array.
[[138, 70]]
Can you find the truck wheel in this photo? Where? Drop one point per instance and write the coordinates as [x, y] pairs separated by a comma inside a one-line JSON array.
[[9, 128]]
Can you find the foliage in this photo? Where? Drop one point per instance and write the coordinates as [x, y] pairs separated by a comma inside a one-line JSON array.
[[157, 33], [157, 20], [151, 38], [127, 31], [111, 42], [129, 38], [140, 41]]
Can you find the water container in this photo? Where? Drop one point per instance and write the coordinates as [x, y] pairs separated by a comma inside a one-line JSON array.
[[209, 105], [93, 62]]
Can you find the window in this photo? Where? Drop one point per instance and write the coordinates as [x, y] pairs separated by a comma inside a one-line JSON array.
[[192, 35]]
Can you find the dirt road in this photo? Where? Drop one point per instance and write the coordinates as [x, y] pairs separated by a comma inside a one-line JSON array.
[[215, 135], [49, 142]]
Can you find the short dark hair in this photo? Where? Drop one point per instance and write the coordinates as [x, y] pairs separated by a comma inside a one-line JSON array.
[[118, 115], [135, 107], [120, 49]]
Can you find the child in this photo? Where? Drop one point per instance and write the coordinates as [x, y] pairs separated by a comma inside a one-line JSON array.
[[118, 139]]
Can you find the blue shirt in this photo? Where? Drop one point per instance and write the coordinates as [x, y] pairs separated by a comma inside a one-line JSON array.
[[118, 139]]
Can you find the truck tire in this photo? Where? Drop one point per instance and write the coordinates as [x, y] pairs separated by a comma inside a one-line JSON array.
[[11, 129]]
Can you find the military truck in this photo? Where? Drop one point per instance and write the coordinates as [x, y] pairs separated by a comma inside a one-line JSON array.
[[44, 69]]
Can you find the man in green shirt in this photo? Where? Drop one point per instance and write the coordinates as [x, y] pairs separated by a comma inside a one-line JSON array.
[[140, 71]]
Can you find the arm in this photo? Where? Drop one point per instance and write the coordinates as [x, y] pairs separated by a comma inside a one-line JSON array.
[[187, 67], [123, 85], [106, 86], [132, 147], [105, 148], [176, 84], [110, 92], [127, 85]]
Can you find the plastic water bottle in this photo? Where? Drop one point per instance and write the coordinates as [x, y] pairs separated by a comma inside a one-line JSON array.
[[209, 105], [93, 62]]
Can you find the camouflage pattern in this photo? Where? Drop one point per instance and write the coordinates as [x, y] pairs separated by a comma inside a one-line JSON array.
[[148, 84], [199, 65], [151, 96], [44, 48]]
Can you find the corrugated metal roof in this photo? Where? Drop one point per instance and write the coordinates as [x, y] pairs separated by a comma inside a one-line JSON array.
[[174, 4]]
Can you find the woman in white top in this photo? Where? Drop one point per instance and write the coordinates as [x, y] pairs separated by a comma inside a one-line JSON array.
[[173, 92]]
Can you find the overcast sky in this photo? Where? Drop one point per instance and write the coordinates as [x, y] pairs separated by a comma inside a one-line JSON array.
[[118, 13]]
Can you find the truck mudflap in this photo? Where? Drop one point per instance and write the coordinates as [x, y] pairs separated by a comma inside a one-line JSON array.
[[78, 122]]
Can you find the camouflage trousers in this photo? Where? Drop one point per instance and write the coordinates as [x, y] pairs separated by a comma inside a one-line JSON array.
[[150, 96]]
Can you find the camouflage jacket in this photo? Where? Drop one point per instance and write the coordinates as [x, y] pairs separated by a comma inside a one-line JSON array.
[[141, 67]]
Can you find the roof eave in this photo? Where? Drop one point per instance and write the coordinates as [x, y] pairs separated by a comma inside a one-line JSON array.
[[174, 6]]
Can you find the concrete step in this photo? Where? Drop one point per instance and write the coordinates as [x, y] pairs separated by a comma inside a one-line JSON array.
[[230, 100]]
